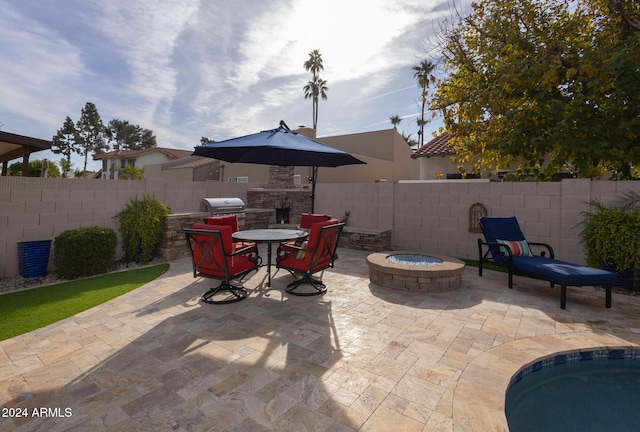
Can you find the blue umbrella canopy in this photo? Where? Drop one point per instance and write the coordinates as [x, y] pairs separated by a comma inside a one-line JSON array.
[[279, 146]]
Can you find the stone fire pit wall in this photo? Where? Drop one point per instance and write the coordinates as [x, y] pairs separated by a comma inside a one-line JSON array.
[[445, 276]]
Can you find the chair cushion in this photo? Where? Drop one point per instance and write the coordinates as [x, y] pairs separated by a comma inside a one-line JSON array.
[[228, 220], [562, 272], [314, 232], [499, 227], [505, 228], [308, 219], [518, 247]]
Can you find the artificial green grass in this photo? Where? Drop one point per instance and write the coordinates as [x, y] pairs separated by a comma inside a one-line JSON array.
[[486, 266], [24, 311]]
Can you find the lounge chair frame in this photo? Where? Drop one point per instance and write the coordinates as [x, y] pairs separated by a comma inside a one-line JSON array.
[[507, 261]]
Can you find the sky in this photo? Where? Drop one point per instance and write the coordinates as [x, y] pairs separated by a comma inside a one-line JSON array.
[[216, 68]]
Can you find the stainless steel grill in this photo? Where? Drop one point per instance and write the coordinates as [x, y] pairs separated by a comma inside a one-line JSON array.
[[223, 207]]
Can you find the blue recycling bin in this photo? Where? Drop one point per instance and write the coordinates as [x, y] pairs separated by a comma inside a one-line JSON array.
[[33, 257]]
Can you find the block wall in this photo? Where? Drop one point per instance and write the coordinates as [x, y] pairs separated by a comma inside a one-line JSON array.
[[33, 208], [430, 216]]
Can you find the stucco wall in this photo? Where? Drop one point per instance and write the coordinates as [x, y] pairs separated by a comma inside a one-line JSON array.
[[429, 166], [430, 216], [387, 156]]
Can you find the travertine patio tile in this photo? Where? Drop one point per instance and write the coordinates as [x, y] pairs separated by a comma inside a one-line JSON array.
[[361, 357], [384, 419]]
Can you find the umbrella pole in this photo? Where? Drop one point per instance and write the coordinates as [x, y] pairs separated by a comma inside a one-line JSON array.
[[314, 177]]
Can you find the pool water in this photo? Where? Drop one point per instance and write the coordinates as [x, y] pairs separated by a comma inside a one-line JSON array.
[[585, 395]]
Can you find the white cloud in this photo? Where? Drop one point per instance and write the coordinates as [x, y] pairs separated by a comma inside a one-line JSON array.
[[144, 33], [216, 68], [38, 64]]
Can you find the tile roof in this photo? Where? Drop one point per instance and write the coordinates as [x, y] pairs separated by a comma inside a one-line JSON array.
[[436, 147]]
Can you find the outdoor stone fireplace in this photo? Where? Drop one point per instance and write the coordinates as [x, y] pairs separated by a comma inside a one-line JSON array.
[[281, 195]]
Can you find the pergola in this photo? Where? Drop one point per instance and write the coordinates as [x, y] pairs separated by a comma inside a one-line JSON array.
[[13, 146]]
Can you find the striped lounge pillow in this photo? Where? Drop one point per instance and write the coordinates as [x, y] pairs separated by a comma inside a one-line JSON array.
[[518, 247]]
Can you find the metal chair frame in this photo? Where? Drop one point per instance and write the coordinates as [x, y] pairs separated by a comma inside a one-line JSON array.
[[323, 257], [206, 241]]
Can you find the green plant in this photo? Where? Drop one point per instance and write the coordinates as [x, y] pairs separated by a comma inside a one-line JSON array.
[[84, 252], [130, 172], [611, 235], [141, 226]]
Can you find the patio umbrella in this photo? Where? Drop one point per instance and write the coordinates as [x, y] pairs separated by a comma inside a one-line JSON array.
[[281, 147]]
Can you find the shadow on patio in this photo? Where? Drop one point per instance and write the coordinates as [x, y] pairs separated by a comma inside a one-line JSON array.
[[360, 357]]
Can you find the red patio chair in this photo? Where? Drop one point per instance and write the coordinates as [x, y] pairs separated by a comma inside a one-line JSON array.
[[310, 257], [231, 221], [214, 256], [307, 219]]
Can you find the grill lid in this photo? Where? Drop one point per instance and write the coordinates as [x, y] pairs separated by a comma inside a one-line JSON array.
[[222, 205]]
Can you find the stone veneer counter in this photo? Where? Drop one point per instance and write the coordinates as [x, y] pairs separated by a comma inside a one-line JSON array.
[[443, 276]]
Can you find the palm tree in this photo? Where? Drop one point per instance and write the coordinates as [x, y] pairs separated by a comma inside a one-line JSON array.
[[424, 74], [395, 120], [317, 87], [314, 64], [421, 122], [410, 141]]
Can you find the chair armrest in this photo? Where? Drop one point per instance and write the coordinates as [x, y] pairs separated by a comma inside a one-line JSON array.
[[243, 251], [288, 247], [545, 245], [500, 247]]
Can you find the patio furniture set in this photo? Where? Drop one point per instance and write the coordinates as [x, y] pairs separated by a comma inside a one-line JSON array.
[[219, 250]]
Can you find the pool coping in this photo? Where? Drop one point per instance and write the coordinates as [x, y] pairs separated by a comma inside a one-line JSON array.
[[479, 398]]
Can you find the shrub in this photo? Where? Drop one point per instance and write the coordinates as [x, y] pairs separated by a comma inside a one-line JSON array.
[[141, 225], [611, 236], [85, 252]]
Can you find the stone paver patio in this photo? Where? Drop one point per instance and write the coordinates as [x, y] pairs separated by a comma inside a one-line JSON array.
[[361, 357]]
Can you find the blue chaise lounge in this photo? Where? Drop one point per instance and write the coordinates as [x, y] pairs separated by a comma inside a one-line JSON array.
[[506, 246]]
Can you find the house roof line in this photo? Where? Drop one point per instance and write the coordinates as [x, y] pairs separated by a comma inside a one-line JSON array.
[[439, 146], [171, 153]]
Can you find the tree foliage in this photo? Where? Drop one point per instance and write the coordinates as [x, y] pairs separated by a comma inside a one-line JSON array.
[[90, 135], [542, 84], [64, 142], [90, 132], [125, 136], [35, 169], [129, 172]]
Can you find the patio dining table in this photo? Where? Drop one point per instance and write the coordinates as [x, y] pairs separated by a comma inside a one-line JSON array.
[[269, 236]]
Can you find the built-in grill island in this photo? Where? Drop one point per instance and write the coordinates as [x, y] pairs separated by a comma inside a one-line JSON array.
[[280, 203], [174, 245], [225, 207]]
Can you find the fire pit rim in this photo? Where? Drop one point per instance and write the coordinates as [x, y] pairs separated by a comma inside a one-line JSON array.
[[448, 267]]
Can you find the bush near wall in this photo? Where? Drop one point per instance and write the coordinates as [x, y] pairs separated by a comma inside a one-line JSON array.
[[85, 252], [141, 223]]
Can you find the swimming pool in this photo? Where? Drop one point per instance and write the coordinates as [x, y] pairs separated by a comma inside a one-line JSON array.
[[581, 391]]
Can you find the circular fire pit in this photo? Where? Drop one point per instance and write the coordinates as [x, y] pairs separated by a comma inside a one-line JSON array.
[[415, 271]]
